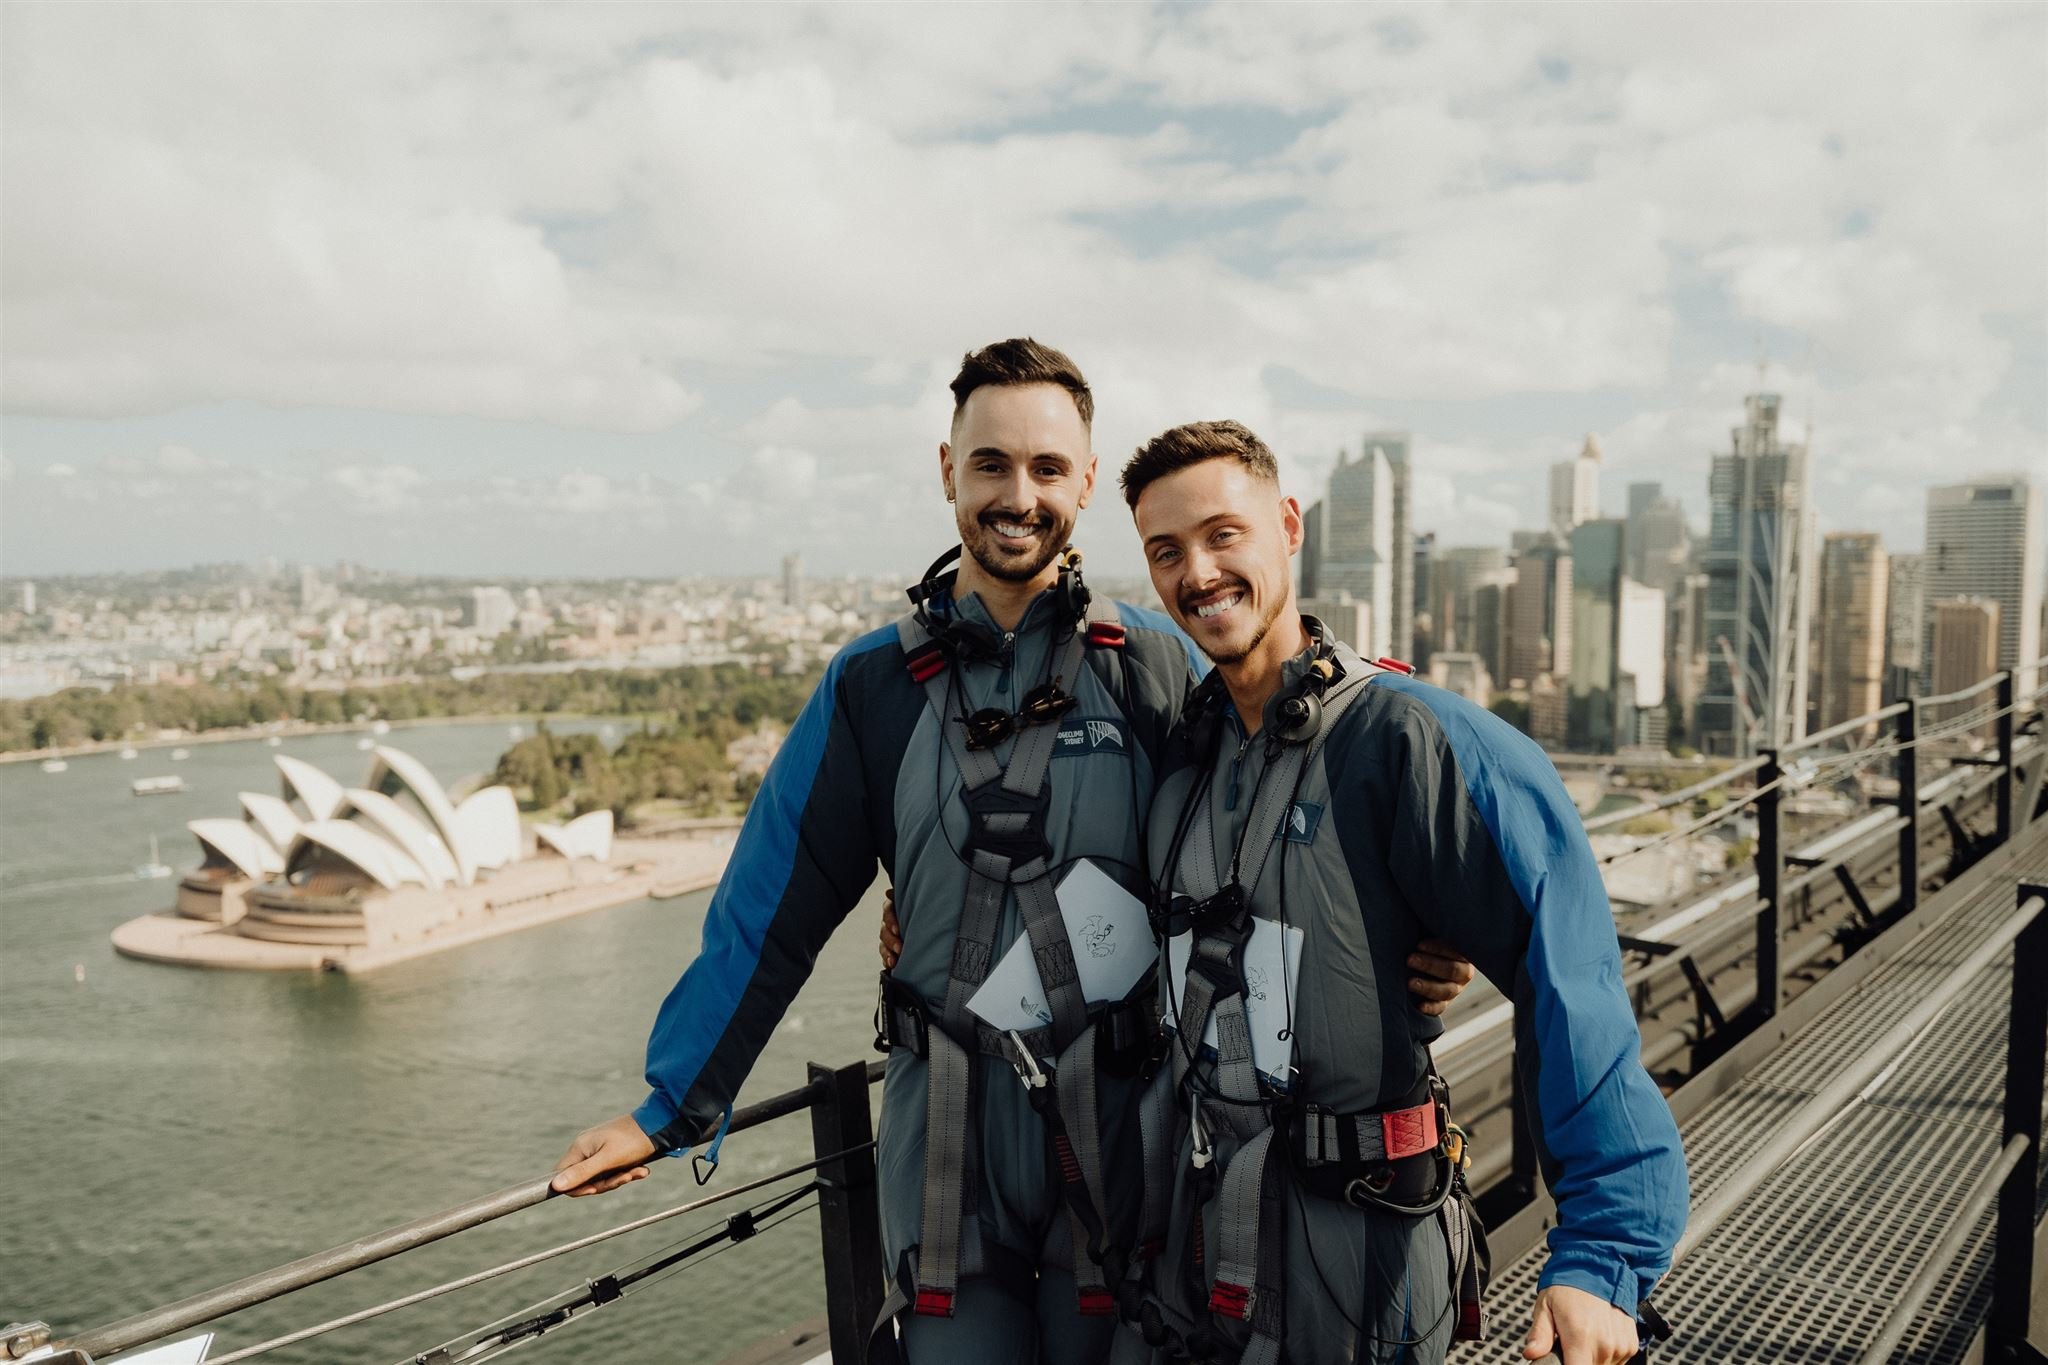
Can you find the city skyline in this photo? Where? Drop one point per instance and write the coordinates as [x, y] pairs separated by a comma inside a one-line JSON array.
[[660, 293]]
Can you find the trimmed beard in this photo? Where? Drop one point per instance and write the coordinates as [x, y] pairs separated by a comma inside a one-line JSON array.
[[973, 534], [1258, 637]]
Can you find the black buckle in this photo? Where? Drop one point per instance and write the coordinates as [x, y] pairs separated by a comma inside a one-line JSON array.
[[1020, 846], [900, 1019]]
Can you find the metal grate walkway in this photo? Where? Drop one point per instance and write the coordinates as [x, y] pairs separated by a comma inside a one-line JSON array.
[[1807, 1268]]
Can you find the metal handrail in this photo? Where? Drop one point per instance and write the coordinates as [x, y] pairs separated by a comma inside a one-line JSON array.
[[1962, 1223], [1828, 1103], [1846, 727], [1677, 798], [359, 1252]]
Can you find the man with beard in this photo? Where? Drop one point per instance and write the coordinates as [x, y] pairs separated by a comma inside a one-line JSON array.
[[1337, 811], [1009, 728]]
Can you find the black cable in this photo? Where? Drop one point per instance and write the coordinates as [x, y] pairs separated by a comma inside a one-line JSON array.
[[1450, 1299]]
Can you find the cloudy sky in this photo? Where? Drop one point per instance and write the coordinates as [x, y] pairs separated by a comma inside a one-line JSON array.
[[658, 290]]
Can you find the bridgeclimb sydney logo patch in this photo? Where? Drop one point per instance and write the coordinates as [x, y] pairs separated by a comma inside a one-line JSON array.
[[1093, 735], [1302, 819]]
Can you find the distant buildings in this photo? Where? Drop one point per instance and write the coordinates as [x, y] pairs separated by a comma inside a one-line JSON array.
[[1464, 674], [1538, 637], [492, 611], [1964, 650], [28, 599], [1459, 571], [1575, 489], [1984, 540], [1614, 691], [1904, 608], [793, 581], [1346, 618], [1758, 560], [1854, 579], [1361, 540]]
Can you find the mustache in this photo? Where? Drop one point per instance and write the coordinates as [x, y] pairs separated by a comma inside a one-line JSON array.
[[1187, 600]]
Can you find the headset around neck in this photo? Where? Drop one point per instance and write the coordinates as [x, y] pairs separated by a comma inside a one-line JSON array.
[[1298, 717], [964, 639]]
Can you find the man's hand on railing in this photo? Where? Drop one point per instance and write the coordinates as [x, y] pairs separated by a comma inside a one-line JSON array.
[[1584, 1329], [603, 1158]]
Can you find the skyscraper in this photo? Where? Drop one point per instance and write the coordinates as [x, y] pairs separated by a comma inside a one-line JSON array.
[[1903, 608], [1400, 629], [1659, 544], [1538, 638], [1854, 578], [1359, 553], [1964, 651], [1759, 608], [1984, 540], [1592, 702], [491, 611], [1311, 556], [1575, 488], [793, 581], [1459, 574], [1422, 587]]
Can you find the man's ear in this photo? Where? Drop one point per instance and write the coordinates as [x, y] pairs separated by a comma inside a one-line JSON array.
[[946, 469], [1088, 480], [1290, 524]]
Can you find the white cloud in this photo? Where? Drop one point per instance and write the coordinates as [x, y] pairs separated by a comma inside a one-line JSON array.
[[634, 219]]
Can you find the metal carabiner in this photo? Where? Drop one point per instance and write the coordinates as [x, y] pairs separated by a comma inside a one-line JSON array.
[[1026, 1065]]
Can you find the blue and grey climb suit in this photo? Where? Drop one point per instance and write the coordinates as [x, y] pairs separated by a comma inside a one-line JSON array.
[[867, 778], [1408, 813]]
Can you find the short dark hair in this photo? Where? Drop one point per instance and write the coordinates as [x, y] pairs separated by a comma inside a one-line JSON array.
[[1192, 444], [1020, 360]]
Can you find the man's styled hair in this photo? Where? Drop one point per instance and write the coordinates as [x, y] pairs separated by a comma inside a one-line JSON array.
[[1020, 360], [1171, 451]]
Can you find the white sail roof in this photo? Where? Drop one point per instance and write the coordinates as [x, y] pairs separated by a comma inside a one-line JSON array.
[[587, 836], [272, 817], [394, 772], [368, 852], [488, 824], [399, 825], [236, 844], [319, 793]]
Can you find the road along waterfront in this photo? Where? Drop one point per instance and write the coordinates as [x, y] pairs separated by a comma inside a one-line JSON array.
[[169, 1130]]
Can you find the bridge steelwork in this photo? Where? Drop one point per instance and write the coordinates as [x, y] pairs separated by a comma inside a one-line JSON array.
[[1830, 1028]]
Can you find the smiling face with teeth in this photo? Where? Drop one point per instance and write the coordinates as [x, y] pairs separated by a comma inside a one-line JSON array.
[[1018, 470], [1218, 540]]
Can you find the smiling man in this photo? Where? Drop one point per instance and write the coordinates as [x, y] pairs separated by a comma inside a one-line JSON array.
[[977, 750], [1340, 811]]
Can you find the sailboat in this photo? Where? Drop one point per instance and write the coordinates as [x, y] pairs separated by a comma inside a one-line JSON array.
[[154, 868]]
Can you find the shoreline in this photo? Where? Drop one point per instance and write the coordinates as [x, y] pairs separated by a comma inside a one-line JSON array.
[[296, 730]]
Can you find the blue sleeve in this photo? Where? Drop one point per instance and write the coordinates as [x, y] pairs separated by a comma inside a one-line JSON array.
[[1495, 856], [804, 857]]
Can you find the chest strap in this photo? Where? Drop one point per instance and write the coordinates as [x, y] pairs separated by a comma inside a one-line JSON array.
[[1007, 850]]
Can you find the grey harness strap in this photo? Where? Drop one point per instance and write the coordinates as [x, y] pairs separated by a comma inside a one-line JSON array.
[[1007, 853], [1247, 1284]]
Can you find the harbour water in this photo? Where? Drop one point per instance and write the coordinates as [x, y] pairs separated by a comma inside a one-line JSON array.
[[165, 1130]]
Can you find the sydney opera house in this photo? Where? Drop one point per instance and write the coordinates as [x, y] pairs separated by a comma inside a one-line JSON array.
[[347, 877]]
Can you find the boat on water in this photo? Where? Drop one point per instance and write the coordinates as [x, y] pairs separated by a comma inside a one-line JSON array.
[[158, 786], [380, 727], [177, 754], [515, 732], [273, 741], [155, 867], [128, 752], [54, 765], [366, 744]]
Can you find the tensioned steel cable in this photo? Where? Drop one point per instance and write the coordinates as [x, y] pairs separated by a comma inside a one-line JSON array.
[[464, 1282]]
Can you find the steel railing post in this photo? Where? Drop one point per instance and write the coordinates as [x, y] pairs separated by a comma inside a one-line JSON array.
[[2012, 1264], [1770, 884], [1909, 806], [849, 1213], [2006, 695]]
